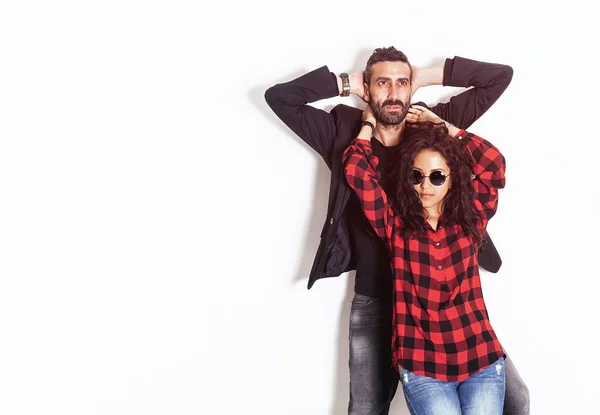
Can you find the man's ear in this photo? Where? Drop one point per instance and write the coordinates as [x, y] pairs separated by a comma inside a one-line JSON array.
[[367, 93]]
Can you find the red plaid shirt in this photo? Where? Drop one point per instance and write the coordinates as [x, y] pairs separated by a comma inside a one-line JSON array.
[[442, 328]]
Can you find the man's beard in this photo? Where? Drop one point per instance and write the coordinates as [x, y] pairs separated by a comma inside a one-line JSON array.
[[389, 118]]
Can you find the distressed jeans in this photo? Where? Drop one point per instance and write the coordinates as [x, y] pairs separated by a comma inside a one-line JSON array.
[[373, 380], [480, 394]]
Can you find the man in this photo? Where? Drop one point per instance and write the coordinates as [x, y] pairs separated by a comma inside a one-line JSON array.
[[347, 239]]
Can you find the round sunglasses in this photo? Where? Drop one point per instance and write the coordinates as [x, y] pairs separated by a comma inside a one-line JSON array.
[[437, 177]]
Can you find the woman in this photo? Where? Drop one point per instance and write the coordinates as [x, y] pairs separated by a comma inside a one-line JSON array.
[[443, 192]]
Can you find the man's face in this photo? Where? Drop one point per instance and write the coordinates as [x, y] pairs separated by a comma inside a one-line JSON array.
[[389, 92]]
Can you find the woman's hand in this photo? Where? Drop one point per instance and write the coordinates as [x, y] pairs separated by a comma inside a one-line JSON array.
[[417, 113], [366, 131], [368, 115]]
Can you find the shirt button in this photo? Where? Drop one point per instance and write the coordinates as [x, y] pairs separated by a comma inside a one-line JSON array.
[[439, 267], [437, 244], [331, 221]]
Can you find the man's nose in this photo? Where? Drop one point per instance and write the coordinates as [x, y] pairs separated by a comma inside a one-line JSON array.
[[394, 92]]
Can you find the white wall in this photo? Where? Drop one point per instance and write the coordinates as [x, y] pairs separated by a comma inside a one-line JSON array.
[[158, 222]]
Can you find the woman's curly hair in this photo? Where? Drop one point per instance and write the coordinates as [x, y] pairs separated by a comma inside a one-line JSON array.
[[458, 207]]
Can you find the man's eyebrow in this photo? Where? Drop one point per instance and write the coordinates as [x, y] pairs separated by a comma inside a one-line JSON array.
[[385, 78]]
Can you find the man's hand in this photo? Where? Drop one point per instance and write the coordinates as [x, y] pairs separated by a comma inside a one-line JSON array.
[[416, 80], [417, 113], [426, 76], [357, 84]]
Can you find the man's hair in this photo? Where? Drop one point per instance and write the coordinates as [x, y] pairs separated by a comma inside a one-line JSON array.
[[459, 207], [390, 54]]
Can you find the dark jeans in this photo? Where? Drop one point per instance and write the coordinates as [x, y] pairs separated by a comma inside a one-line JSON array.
[[373, 381]]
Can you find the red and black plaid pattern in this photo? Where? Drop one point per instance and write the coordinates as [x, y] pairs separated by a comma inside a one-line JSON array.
[[442, 328]]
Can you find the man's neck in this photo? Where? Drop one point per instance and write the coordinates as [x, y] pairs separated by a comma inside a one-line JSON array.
[[389, 135]]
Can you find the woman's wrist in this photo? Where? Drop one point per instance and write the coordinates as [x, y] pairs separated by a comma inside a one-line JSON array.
[[452, 130], [366, 131]]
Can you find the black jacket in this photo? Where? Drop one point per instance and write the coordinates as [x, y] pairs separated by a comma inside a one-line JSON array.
[[329, 134]]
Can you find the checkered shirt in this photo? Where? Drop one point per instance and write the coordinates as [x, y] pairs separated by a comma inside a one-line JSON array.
[[442, 327]]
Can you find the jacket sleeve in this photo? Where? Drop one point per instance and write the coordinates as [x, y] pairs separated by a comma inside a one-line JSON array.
[[489, 81], [289, 101]]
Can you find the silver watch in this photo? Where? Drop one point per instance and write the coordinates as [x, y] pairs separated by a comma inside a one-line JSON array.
[[345, 84]]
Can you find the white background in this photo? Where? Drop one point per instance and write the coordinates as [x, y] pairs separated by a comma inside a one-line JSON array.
[[158, 222]]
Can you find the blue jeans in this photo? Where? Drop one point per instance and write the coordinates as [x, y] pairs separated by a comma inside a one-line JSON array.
[[373, 381], [481, 394]]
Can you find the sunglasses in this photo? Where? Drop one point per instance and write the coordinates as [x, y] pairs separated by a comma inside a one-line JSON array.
[[437, 177]]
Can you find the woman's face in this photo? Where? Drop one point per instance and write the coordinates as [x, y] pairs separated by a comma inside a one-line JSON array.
[[427, 162]]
